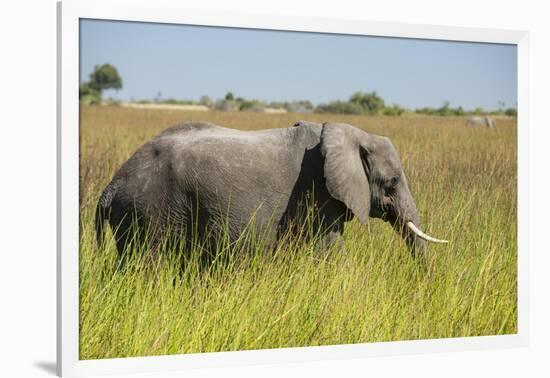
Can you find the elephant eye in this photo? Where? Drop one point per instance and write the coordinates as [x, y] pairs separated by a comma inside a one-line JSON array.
[[393, 182]]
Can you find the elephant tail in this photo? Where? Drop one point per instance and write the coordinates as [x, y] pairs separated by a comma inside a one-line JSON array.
[[103, 211]]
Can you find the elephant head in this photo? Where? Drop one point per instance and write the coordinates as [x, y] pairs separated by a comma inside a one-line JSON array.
[[364, 172]]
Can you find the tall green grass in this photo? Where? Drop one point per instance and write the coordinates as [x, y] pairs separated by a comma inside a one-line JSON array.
[[464, 183]]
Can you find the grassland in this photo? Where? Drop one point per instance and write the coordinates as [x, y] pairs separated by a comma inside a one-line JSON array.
[[464, 183]]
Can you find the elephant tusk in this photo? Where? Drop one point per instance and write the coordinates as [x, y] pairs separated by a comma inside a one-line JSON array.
[[424, 236]]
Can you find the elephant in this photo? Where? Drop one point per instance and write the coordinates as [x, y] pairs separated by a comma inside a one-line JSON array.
[[193, 176], [481, 121]]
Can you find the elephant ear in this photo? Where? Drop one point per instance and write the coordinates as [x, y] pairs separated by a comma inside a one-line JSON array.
[[345, 176]]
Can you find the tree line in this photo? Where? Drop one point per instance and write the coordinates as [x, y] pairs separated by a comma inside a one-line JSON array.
[[106, 76]]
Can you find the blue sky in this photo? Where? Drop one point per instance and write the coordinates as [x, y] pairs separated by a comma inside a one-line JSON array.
[[186, 62]]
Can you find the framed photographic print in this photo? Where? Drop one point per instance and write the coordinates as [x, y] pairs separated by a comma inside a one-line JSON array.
[[238, 190]]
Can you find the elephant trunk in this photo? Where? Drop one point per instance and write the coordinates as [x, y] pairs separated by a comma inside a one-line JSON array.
[[399, 223], [406, 222]]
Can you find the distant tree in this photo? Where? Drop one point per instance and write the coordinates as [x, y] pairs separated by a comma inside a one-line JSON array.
[[340, 107], [445, 110], [513, 112], [105, 76], [225, 105], [206, 101], [279, 104], [252, 106], [357, 98], [300, 106], [425, 110], [394, 110], [229, 96], [478, 111], [305, 104], [88, 95], [158, 97], [174, 101], [370, 102]]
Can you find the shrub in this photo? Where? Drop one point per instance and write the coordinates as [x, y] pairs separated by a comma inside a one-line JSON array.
[[394, 110], [459, 111], [89, 95], [478, 111], [252, 106], [370, 102], [279, 104], [513, 112], [225, 105], [444, 110], [300, 106], [340, 107], [206, 101], [172, 101]]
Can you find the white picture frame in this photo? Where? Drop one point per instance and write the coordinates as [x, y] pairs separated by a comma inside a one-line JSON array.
[[69, 13]]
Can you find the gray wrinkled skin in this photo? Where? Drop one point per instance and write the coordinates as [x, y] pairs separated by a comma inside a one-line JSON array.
[[481, 121], [194, 177]]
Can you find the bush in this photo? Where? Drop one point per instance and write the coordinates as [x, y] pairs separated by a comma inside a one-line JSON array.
[[111, 102], [172, 101], [370, 102], [340, 107], [446, 110], [89, 95], [225, 106], [394, 110], [252, 106], [206, 101], [512, 112], [169, 101], [425, 110], [478, 111], [279, 104], [459, 111], [301, 106], [359, 103]]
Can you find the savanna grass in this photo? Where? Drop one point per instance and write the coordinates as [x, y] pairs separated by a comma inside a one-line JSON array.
[[251, 297]]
